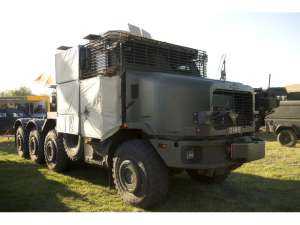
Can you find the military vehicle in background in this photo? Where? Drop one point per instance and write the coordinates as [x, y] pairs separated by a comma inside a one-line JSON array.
[[285, 122], [293, 92], [142, 108], [8, 116], [265, 103], [267, 100]]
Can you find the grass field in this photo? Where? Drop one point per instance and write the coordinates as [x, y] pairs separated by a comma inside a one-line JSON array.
[[271, 184]]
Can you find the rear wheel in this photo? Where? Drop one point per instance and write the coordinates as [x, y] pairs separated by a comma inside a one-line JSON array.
[[287, 138], [140, 176], [36, 152], [22, 143], [213, 176], [55, 156]]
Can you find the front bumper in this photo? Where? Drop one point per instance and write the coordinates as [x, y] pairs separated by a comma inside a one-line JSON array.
[[209, 154], [247, 151]]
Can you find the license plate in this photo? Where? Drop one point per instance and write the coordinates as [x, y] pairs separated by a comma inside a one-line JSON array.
[[234, 130]]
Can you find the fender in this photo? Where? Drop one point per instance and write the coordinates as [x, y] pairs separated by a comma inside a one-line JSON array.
[[280, 127]]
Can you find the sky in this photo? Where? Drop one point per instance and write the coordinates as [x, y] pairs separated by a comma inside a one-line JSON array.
[[257, 39]]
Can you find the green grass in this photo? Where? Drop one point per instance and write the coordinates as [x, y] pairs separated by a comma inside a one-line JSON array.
[[271, 184]]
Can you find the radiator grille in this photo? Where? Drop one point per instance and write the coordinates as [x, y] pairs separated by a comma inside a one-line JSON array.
[[232, 109]]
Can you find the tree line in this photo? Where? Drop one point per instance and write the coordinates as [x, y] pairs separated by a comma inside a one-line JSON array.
[[21, 91]]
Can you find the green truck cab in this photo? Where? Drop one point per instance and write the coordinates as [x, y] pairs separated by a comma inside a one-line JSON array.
[[143, 109]]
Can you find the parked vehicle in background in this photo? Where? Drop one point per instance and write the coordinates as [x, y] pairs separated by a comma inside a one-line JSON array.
[[8, 118], [13, 108], [265, 103], [285, 122], [142, 108]]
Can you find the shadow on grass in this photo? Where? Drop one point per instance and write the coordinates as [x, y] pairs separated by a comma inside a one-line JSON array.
[[93, 174], [23, 188], [239, 193]]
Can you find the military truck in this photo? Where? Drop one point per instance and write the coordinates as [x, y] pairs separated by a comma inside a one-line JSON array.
[[265, 103], [143, 109], [285, 123]]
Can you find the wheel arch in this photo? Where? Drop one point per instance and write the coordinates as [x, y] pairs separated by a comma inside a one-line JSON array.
[[48, 125], [120, 137], [17, 124], [284, 127], [22, 122]]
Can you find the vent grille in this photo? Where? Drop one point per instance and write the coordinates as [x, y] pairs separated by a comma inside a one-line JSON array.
[[232, 109], [103, 56], [166, 58]]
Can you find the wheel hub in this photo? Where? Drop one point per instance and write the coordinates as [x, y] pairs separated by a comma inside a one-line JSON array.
[[129, 176], [285, 138], [50, 151], [32, 145]]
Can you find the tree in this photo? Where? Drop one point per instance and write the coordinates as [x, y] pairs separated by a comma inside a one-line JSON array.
[[22, 91]]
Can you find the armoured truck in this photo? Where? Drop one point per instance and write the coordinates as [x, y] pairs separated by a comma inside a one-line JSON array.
[[285, 123], [144, 109]]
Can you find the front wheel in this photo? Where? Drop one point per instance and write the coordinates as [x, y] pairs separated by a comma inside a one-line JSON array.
[[55, 156], [208, 176], [140, 176], [287, 138]]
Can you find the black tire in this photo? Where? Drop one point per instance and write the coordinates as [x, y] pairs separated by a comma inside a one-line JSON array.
[[73, 147], [287, 138], [36, 147], [55, 155], [139, 174], [22, 143], [211, 177]]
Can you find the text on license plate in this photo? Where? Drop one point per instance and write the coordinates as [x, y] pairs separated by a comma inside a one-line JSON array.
[[234, 130]]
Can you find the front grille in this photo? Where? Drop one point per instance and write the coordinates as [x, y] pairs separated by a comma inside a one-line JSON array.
[[231, 108]]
